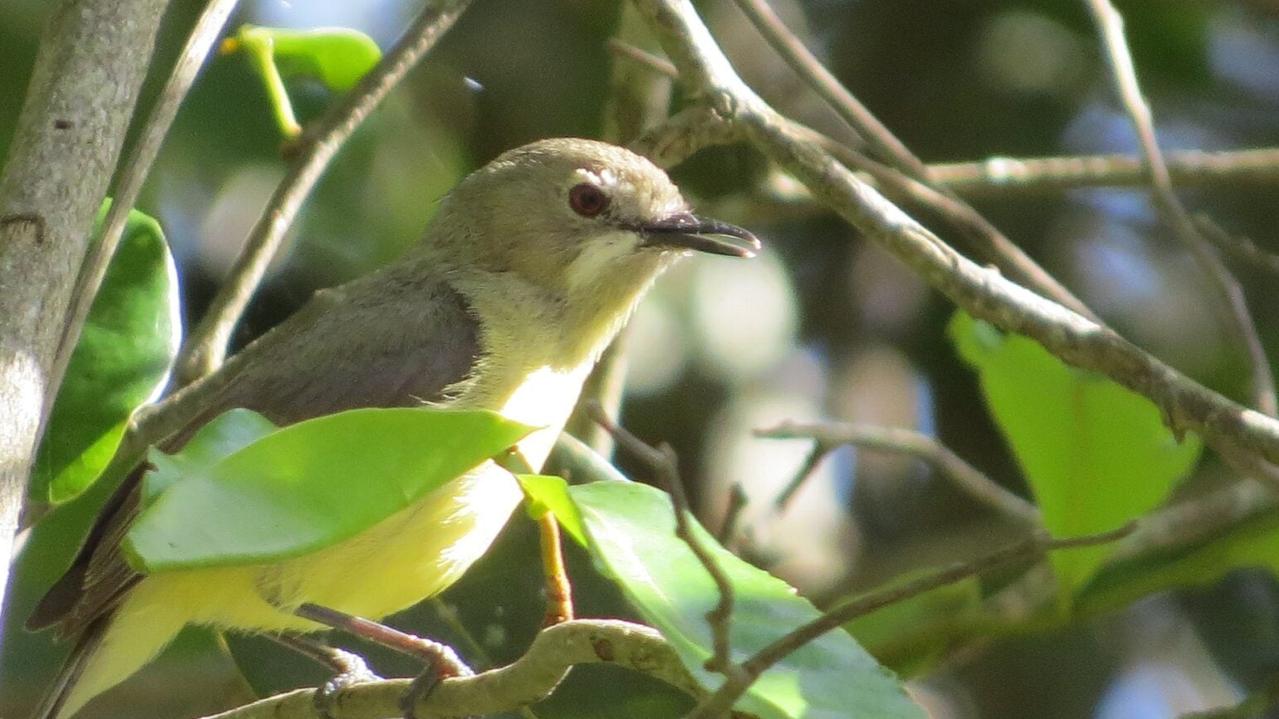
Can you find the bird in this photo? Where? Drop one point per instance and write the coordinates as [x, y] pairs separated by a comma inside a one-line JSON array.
[[529, 268]]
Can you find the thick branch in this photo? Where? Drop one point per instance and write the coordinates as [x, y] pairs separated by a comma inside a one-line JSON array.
[[135, 168], [529, 679], [982, 292], [92, 59]]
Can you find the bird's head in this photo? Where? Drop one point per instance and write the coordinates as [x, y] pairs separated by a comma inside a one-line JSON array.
[[584, 220]]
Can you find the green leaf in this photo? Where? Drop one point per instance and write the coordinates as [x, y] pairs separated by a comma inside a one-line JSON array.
[[224, 435], [1253, 542], [550, 494], [119, 364], [1096, 455], [631, 528], [306, 486], [337, 57]]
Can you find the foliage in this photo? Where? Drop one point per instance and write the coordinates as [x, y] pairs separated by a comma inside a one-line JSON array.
[[120, 362]]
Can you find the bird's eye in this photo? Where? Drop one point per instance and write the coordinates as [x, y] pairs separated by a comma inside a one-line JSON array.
[[587, 200]]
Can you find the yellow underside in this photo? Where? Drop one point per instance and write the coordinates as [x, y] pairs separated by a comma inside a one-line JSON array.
[[412, 555]]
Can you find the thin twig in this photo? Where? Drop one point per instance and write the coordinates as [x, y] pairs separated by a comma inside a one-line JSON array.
[[737, 501], [206, 347], [895, 439], [1239, 247], [660, 65], [723, 699], [1025, 176], [1110, 27], [663, 462], [984, 236], [806, 469], [134, 172]]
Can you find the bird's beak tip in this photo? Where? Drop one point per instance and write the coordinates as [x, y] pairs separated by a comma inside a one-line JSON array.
[[688, 231]]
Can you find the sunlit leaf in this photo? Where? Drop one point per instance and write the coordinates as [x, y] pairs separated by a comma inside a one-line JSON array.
[[1096, 454], [306, 486], [631, 528], [550, 494], [120, 362], [336, 57]]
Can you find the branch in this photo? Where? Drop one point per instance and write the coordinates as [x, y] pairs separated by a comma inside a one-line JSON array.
[[525, 681], [982, 292], [206, 347], [904, 441], [1016, 176], [719, 703], [207, 28], [92, 59], [663, 462], [1110, 26], [984, 236]]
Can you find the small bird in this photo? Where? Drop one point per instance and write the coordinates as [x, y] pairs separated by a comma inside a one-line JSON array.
[[528, 270]]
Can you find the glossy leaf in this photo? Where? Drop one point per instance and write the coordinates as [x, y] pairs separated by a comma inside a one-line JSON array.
[[1096, 454], [120, 362], [306, 486], [550, 494], [631, 528]]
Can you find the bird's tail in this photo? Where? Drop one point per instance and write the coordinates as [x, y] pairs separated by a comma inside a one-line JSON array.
[[109, 650], [56, 695]]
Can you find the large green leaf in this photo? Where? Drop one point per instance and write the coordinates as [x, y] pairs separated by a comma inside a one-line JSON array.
[[337, 57], [120, 362], [306, 486], [1095, 454], [631, 528]]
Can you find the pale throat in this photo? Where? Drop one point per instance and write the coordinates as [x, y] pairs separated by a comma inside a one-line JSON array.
[[539, 350]]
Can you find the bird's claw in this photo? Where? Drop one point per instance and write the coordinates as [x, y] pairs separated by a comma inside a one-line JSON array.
[[353, 670], [445, 665]]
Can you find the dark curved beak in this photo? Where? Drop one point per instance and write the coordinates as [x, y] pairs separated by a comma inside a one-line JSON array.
[[685, 230]]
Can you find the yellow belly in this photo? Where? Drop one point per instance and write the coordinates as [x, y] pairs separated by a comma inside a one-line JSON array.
[[411, 555]]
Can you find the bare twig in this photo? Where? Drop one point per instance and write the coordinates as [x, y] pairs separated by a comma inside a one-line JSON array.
[[1186, 405], [659, 65], [1015, 176], [985, 237], [525, 681], [1239, 247], [135, 168], [737, 500], [723, 699], [206, 347], [806, 469], [1110, 26], [895, 439], [857, 116], [663, 462]]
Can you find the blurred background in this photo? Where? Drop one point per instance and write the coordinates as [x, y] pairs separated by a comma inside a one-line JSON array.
[[822, 325]]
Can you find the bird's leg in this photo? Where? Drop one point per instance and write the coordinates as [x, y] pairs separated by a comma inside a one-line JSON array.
[[440, 659], [348, 669]]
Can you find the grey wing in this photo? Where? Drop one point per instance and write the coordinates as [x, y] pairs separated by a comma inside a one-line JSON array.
[[382, 341]]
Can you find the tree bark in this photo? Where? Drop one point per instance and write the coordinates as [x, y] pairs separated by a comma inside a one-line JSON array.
[[92, 60]]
